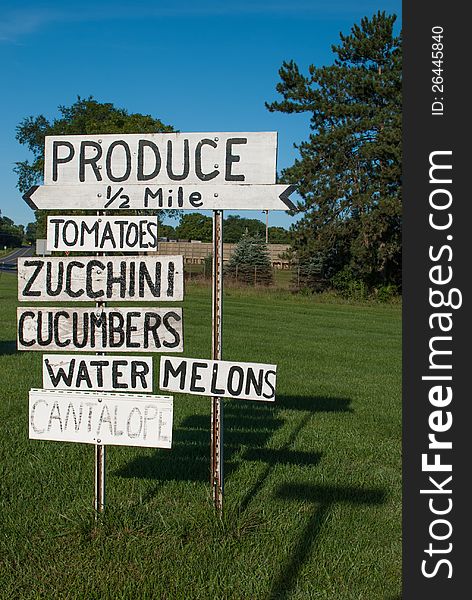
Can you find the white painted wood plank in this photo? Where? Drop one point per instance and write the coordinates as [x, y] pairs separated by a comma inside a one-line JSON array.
[[224, 379], [89, 372], [100, 329], [103, 278], [101, 418], [183, 197], [102, 234], [162, 158]]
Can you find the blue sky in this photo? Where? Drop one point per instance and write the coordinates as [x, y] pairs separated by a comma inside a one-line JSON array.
[[202, 65]]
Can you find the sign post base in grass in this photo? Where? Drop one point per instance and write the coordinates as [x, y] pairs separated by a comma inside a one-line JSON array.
[[217, 321], [99, 502]]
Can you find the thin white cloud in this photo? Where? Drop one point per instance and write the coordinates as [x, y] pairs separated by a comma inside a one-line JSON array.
[[29, 19]]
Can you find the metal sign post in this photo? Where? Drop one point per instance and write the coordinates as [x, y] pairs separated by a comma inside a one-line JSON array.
[[100, 451], [217, 321]]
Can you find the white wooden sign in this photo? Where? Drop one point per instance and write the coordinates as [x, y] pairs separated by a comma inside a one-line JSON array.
[[161, 158], [103, 278], [223, 379], [102, 196], [99, 373], [101, 418], [100, 329], [102, 234]]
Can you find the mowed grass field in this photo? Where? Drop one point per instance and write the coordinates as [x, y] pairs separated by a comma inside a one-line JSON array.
[[312, 503]]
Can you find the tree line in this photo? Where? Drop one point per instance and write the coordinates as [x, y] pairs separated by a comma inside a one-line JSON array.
[[348, 173]]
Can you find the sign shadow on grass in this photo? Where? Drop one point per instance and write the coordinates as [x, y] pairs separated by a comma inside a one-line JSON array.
[[309, 406], [323, 498], [248, 428]]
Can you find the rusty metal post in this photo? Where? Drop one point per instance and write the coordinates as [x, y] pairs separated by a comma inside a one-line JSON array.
[[99, 503], [100, 452], [217, 321]]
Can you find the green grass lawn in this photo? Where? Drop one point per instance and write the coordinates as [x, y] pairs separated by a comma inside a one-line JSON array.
[[312, 481]]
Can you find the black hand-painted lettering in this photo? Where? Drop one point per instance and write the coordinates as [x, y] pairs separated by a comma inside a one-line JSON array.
[[44, 341], [232, 158], [152, 322], [68, 289], [27, 289], [169, 370], [99, 322], [75, 233], [256, 382], [139, 369], [214, 377], [60, 374], [141, 176], [120, 279], [153, 285], [171, 315], [91, 265], [198, 160], [83, 328], [186, 161], [55, 156], [21, 323], [235, 390], [116, 329], [112, 197], [92, 161], [195, 199], [148, 193], [130, 329], [170, 279], [57, 337], [107, 235], [116, 374], [271, 386], [110, 151], [196, 376], [56, 223], [152, 231], [85, 229], [99, 364], [83, 375], [59, 282]]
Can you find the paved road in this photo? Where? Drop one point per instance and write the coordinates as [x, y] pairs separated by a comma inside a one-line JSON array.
[[10, 261]]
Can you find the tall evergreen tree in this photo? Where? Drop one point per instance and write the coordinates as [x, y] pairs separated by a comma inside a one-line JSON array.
[[250, 262], [349, 170]]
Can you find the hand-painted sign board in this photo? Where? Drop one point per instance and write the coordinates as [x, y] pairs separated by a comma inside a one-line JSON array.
[[127, 196], [100, 329], [161, 158], [97, 373], [218, 378], [92, 278], [102, 234], [101, 418]]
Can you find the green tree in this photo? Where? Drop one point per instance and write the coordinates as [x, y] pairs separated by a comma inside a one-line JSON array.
[[30, 233], [349, 170], [85, 116], [250, 262], [11, 235], [234, 227], [278, 235], [167, 231], [195, 226]]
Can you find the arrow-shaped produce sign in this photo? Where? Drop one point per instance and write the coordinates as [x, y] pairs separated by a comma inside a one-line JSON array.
[[184, 197], [188, 171]]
